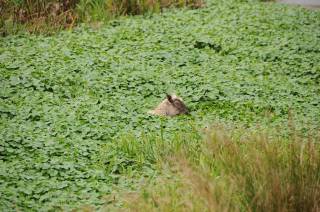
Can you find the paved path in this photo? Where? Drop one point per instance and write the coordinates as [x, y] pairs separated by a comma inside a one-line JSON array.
[[306, 3]]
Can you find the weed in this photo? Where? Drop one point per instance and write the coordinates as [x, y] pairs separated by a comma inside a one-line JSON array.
[[257, 173]]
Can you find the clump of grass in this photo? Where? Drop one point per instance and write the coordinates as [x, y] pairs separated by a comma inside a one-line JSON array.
[[46, 17], [127, 7], [101, 10], [239, 173], [39, 16]]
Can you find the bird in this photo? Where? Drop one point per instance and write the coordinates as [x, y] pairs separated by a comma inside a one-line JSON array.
[[172, 105]]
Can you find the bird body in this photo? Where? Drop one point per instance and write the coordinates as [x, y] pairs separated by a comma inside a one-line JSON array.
[[171, 106]]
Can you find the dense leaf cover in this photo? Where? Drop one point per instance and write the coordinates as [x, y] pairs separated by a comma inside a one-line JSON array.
[[65, 99]]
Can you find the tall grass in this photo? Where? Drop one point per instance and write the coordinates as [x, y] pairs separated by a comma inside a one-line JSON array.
[[37, 16], [47, 16], [233, 172], [101, 10]]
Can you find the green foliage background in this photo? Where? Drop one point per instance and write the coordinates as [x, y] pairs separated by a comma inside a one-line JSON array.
[[65, 100]]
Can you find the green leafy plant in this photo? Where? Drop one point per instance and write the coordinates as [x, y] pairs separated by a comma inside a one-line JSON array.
[[73, 105]]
